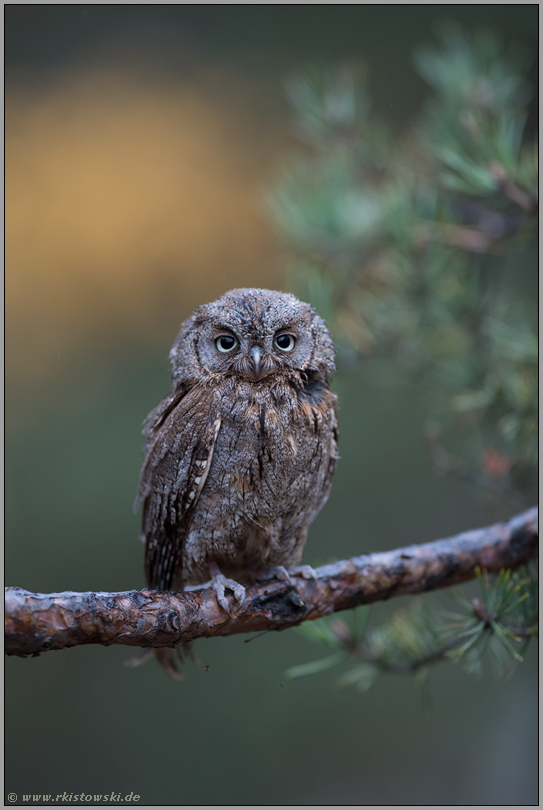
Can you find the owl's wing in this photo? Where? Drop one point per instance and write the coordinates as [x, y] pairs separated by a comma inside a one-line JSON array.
[[322, 404], [179, 450], [333, 454]]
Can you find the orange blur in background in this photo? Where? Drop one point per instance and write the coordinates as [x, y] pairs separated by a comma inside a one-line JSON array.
[[128, 202]]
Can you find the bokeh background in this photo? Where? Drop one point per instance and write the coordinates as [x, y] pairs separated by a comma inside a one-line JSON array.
[[140, 141]]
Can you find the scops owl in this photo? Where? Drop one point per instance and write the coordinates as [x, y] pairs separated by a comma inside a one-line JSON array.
[[239, 457]]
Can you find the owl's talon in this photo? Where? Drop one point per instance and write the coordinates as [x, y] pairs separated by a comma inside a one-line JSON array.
[[221, 599], [305, 571], [281, 573], [219, 583], [278, 572]]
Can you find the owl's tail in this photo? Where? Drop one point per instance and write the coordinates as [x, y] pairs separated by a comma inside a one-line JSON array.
[[167, 657]]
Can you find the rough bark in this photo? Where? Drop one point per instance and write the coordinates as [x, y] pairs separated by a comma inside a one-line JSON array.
[[39, 622]]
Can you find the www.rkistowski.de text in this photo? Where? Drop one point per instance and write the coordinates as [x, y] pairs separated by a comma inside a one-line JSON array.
[[74, 797]]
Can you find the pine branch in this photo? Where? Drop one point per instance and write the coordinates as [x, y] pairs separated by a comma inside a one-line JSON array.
[[39, 622], [406, 667], [386, 664]]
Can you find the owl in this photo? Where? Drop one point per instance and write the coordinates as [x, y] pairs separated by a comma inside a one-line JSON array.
[[239, 457]]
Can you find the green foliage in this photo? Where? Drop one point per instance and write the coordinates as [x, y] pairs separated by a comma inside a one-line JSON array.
[[500, 624], [421, 249], [477, 117]]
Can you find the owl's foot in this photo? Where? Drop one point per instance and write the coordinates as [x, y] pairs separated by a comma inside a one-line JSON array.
[[284, 574], [278, 572], [305, 571], [219, 583]]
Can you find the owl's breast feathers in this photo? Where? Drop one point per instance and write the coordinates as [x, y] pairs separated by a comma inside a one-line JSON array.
[[272, 437], [234, 472]]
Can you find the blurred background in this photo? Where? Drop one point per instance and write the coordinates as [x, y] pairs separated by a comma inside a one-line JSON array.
[[141, 146]]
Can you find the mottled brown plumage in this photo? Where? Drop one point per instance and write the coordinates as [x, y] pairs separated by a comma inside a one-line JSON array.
[[239, 457]]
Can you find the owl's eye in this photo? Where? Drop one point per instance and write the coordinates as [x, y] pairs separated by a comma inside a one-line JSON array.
[[225, 343], [285, 342]]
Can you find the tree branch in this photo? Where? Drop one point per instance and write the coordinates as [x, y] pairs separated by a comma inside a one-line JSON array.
[[39, 622]]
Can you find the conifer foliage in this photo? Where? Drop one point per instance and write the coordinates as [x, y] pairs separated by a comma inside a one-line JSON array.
[[420, 251]]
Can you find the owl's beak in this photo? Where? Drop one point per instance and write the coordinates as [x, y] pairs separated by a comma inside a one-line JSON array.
[[256, 353]]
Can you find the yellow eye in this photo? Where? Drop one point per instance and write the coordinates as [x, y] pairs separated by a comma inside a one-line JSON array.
[[225, 343], [285, 342]]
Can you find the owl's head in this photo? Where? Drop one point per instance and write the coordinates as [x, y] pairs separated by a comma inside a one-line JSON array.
[[253, 334]]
